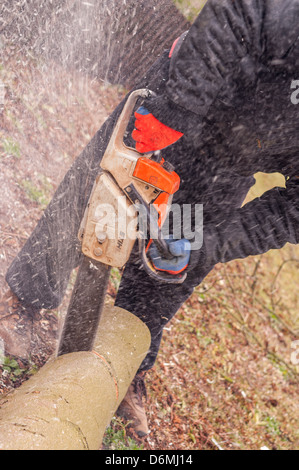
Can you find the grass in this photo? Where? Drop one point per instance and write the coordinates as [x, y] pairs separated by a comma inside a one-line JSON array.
[[14, 372], [116, 437], [38, 194], [12, 367], [190, 8], [17, 124], [115, 278], [11, 148]]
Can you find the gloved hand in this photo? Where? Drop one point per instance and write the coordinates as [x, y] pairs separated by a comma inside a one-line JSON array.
[[180, 249], [150, 134]]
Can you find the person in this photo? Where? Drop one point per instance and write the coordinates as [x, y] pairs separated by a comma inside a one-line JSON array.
[[222, 111]]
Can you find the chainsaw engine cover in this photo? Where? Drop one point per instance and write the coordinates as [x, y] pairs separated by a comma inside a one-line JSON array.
[[109, 228]]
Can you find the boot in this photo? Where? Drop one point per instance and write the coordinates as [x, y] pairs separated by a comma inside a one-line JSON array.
[[132, 409], [16, 323]]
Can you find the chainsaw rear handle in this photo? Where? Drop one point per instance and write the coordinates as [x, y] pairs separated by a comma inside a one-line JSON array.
[[159, 276], [162, 247]]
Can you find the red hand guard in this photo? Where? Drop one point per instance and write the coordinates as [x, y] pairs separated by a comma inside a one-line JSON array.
[[151, 135]]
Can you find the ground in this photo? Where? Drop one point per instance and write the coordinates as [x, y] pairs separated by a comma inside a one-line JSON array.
[[227, 373]]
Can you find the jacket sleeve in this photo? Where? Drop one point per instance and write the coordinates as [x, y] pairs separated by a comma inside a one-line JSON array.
[[264, 224], [228, 43]]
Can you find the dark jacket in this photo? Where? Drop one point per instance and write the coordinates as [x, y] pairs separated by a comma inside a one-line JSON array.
[[230, 91]]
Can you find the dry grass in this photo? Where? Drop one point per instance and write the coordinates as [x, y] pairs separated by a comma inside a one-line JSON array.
[[225, 370], [225, 376]]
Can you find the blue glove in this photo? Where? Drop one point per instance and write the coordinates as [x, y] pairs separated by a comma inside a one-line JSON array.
[[180, 249]]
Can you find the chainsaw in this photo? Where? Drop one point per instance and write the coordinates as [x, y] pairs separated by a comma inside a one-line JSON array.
[[128, 183]]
